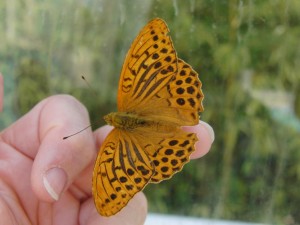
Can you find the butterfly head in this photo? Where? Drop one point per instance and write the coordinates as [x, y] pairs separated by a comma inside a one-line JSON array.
[[114, 119], [109, 118]]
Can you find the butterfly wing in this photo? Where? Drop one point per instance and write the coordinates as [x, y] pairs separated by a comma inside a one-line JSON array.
[[152, 75], [179, 102], [150, 64], [121, 170], [169, 148]]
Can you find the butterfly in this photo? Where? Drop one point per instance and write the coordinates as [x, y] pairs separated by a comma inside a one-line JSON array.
[[157, 94]]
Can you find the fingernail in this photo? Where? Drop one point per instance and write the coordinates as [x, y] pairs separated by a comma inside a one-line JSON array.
[[210, 130], [55, 180]]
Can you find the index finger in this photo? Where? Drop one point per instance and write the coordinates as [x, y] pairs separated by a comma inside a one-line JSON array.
[[39, 135]]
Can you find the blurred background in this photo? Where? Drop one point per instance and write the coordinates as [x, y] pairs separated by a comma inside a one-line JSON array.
[[247, 54]]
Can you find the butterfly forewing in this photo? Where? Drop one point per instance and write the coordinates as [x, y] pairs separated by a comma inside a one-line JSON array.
[[122, 169], [150, 64]]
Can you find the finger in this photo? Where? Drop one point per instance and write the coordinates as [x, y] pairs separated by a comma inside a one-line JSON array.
[[206, 137], [59, 161], [56, 161], [101, 133], [1, 92], [133, 213]]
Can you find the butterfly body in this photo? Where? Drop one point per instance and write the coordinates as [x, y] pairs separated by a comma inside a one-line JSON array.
[[158, 94], [125, 120], [131, 122]]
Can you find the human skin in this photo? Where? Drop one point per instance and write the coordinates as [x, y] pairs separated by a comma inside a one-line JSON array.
[[46, 180]]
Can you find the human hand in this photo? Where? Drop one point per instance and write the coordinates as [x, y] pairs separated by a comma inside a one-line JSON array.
[[47, 180]]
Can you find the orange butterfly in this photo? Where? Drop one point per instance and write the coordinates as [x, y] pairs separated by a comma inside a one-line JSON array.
[[158, 93]]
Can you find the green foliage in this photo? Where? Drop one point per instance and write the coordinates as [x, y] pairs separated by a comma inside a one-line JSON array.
[[31, 85], [239, 48]]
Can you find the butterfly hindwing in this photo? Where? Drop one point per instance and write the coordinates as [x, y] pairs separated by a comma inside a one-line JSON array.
[[180, 101], [169, 148]]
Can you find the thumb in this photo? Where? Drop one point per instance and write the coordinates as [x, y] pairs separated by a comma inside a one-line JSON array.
[[58, 162]]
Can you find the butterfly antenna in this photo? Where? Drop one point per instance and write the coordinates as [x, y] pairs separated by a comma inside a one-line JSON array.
[[88, 84], [64, 138]]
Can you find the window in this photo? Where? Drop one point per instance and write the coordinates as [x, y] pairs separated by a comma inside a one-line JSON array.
[[247, 54]]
